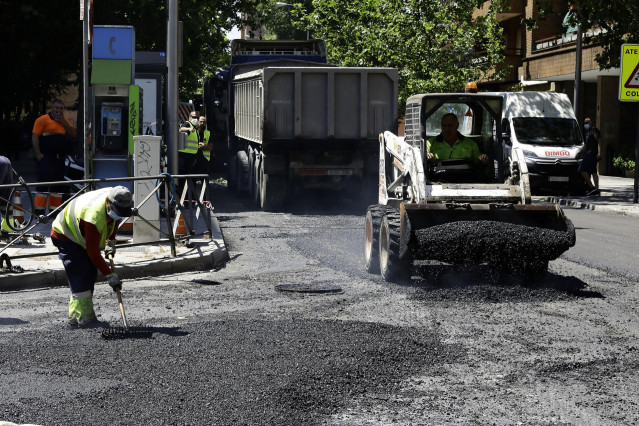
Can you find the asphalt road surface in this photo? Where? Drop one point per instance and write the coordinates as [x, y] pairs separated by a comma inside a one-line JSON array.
[[463, 346]]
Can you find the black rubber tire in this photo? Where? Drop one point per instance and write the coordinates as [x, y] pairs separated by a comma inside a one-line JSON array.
[[272, 191], [392, 267], [254, 178], [238, 174], [372, 223]]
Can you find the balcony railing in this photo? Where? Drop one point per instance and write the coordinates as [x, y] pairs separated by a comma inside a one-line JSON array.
[[562, 40]]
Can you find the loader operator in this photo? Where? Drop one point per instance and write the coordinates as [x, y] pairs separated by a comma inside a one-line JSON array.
[[452, 144], [85, 226]]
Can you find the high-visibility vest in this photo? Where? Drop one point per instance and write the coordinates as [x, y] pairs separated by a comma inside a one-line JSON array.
[[192, 141], [90, 208]]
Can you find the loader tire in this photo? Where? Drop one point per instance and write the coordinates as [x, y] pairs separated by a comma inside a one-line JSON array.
[[392, 267], [372, 223]]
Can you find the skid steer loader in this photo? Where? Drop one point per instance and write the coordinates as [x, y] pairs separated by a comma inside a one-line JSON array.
[[452, 211]]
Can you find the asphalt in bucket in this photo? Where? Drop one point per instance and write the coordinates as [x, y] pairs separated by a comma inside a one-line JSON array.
[[507, 245]]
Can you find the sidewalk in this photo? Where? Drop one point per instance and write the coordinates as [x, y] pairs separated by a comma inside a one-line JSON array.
[[616, 197], [42, 268]]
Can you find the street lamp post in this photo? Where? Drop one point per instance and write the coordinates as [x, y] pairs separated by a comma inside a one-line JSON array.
[[281, 4]]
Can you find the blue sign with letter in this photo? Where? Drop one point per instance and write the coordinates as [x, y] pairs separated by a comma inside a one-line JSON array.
[[113, 42]]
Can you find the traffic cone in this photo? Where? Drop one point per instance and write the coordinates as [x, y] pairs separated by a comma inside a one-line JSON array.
[[40, 203], [55, 200], [180, 229], [18, 213]]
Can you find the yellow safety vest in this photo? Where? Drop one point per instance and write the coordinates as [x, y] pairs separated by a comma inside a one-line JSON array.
[[90, 208], [192, 144]]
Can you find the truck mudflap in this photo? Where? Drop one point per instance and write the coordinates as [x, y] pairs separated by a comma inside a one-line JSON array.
[[512, 237]]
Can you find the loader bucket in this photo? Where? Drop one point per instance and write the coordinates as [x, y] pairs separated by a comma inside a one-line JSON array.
[[514, 237]]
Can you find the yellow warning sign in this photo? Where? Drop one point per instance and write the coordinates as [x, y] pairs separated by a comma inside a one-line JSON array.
[[629, 78]]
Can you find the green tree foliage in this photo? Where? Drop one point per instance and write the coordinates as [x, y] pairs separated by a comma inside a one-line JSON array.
[[204, 43], [42, 46], [41, 53], [280, 19], [619, 20], [437, 46]]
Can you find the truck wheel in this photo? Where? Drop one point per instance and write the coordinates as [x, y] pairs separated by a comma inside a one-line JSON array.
[[254, 180], [372, 222], [238, 176], [392, 268], [272, 192]]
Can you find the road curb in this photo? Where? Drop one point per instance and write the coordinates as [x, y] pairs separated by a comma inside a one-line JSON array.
[[34, 280], [616, 208]]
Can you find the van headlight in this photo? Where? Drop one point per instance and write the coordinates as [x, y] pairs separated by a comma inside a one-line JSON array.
[[530, 154]]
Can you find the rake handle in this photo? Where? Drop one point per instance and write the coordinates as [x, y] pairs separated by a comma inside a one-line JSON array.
[[117, 292]]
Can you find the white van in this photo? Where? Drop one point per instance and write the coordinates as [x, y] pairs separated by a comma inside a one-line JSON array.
[[544, 126]]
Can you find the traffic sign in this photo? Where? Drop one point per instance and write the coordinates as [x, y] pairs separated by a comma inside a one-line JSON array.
[[629, 78]]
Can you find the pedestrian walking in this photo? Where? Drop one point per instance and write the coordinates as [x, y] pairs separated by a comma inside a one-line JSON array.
[[591, 155]]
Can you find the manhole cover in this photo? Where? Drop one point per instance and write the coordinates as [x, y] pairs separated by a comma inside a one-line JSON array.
[[206, 282], [309, 288]]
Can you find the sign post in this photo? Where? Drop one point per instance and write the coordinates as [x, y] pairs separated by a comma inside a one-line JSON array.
[[629, 92]]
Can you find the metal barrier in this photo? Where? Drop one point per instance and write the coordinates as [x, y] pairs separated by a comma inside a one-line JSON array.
[[195, 193]]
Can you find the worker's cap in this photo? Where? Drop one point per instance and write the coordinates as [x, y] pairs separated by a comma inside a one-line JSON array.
[[121, 199]]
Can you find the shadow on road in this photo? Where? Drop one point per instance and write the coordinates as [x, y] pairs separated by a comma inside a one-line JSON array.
[[482, 283], [309, 202]]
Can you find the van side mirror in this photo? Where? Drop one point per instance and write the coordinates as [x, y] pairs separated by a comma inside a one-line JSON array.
[[506, 138]]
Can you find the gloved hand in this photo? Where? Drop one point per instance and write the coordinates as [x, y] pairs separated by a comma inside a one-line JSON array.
[[109, 250], [114, 281]]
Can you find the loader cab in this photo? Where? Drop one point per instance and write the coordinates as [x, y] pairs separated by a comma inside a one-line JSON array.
[[479, 118]]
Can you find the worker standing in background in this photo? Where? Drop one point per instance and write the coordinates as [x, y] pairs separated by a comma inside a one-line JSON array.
[[196, 156], [51, 140], [191, 125], [85, 226]]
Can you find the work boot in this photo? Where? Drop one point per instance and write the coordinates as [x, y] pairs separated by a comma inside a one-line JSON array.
[[81, 313], [93, 322]]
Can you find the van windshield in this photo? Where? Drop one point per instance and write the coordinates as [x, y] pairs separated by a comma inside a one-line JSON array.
[[547, 131]]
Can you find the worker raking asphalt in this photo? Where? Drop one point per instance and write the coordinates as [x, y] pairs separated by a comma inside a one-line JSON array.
[[506, 245]]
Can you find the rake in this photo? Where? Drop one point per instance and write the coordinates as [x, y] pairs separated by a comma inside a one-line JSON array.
[[124, 332]]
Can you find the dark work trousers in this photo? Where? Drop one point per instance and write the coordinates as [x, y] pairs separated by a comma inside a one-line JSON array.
[[50, 169], [81, 272]]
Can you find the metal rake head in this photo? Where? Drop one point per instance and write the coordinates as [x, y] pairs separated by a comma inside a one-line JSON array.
[[119, 332]]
